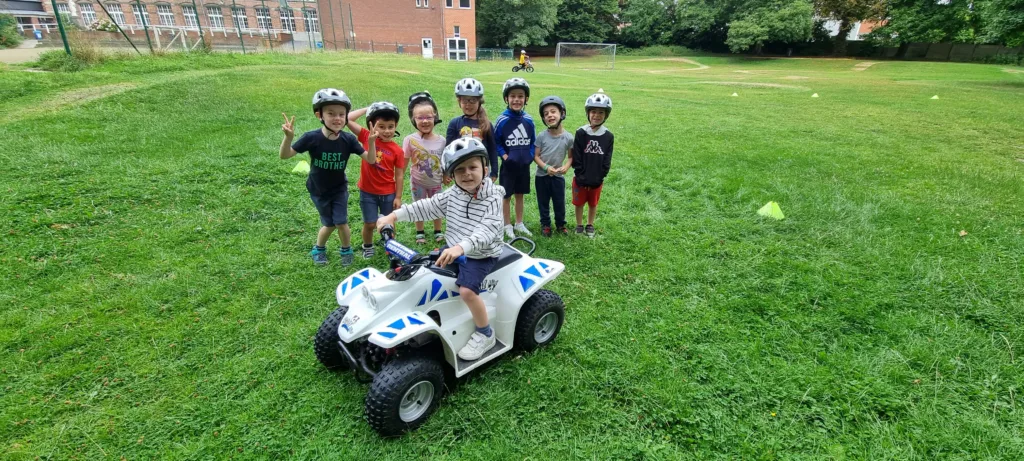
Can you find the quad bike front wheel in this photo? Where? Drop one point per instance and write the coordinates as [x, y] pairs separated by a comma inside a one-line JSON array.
[[404, 394], [539, 320], [325, 344]]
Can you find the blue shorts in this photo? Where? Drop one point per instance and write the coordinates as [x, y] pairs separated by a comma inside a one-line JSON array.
[[473, 271], [333, 208], [374, 205], [515, 178]]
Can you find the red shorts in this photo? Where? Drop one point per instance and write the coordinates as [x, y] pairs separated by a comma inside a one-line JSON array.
[[588, 195]]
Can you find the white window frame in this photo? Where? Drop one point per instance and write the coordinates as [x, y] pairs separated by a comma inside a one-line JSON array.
[[116, 13], [166, 14], [311, 20], [63, 8], [88, 13], [288, 21], [469, 4], [455, 53], [239, 17], [188, 12], [141, 16], [449, 3], [455, 31], [215, 16], [263, 20]]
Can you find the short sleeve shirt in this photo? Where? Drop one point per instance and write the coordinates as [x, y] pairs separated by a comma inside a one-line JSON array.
[[552, 149], [424, 159], [327, 160], [379, 178]]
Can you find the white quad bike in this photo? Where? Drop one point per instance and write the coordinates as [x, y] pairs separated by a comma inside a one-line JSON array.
[[398, 330]]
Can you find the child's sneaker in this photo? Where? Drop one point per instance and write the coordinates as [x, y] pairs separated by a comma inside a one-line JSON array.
[[590, 231], [579, 230], [563, 230], [319, 256], [521, 228], [346, 256], [545, 231], [421, 238], [509, 233], [477, 345], [438, 236], [368, 251]]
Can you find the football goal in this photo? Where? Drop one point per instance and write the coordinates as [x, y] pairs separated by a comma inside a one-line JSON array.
[[593, 55]]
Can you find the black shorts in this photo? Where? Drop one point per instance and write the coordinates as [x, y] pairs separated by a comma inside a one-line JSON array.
[[515, 178], [333, 208], [473, 271]]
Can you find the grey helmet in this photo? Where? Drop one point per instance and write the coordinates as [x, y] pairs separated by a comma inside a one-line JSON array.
[[459, 151], [599, 100], [547, 101], [513, 84], [327, 96], [382, 109], [469, 87]]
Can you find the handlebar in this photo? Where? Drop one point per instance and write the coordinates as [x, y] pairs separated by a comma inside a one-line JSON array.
[[397, 250]]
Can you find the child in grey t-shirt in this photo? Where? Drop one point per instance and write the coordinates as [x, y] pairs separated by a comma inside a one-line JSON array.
[[553, 158]]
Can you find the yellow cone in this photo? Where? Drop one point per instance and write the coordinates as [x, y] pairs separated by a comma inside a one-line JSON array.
[[301, 168], [815, 95], [935, 97], [734, 94], [771, 210]]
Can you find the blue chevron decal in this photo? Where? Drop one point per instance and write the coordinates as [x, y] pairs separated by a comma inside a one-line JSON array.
[[415, 321], [397, 325], [526, 283], [532, 270], [434, 288], [387, 334], [423, 300]]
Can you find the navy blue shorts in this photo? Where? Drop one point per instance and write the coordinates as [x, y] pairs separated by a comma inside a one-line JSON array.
[[374, 205], [333, 208], [473, 271], [515, 178]]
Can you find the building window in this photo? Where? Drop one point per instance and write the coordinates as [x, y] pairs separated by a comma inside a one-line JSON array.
[[426, 3], [455, 30], [165, 14], [419, 3], [88, 13], [288, 20], [191, 18], [457, 49], [238, 15], [311, 21], [63, 8], [215, 16], [141, 16], [449, 3], [463, 3], [263, 18], [116, 13]]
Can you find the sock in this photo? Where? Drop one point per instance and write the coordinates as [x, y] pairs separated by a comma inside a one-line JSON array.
[[320, 248], [346, 249], [367, 245], [486, 331]]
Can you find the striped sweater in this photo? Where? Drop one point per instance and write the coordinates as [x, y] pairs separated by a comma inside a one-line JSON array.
[[472, 222]]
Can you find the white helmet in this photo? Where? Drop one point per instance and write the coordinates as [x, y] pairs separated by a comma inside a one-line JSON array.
[[329, 96], [599, 100], [469, 87], [381, 109], [459, 151], [515, 83]]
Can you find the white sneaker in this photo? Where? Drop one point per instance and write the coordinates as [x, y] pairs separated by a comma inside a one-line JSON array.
[[477, 345], [521, 228], [508, 231]]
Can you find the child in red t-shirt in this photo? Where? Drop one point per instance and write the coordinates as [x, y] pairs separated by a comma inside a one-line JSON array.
[[380, 184]]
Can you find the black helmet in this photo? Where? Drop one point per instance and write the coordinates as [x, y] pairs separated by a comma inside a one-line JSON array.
[[382, 109], [552, 100], [417, 98]]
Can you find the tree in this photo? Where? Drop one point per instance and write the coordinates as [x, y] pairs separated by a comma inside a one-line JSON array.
[[1003, 21], [777, 21], [910, 21], [848, 13], [516, 23], [585, 20], [648, 22], [9, 36]]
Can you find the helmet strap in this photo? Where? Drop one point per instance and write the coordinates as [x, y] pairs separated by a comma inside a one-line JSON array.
[[336, 134]]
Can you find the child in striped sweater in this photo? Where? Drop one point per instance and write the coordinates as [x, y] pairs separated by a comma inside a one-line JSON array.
[[472, 208]]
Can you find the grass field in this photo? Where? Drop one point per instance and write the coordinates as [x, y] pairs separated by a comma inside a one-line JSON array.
[[157, 301]]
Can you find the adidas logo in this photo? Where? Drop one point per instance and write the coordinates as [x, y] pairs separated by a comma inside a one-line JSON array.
[[593, 148], [518, 137]]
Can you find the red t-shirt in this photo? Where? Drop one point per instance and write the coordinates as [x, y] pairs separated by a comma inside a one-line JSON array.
[[379, 178]]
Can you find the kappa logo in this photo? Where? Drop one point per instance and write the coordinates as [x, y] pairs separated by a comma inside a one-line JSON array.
[[518, 137], [593, 148]]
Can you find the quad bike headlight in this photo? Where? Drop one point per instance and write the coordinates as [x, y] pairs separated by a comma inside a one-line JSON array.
[[370, 298]]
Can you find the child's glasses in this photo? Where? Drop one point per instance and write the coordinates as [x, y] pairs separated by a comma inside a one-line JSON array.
[[424, 119]]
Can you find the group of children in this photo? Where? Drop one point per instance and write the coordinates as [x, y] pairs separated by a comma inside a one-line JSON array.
[[468, 155]]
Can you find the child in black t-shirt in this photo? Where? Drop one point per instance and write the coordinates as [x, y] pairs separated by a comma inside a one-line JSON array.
[[329, 149]]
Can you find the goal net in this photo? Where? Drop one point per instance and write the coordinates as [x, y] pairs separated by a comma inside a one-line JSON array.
[[593, 55]]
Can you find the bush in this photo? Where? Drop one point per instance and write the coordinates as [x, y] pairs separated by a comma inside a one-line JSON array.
[[1005, 58], [660, 50], [9, 35], [59, 61]]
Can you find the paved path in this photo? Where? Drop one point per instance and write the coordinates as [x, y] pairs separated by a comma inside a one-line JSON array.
[[25, 52]]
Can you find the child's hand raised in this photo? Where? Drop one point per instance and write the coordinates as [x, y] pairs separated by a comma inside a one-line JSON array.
[[289, 125], [374, 132]]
